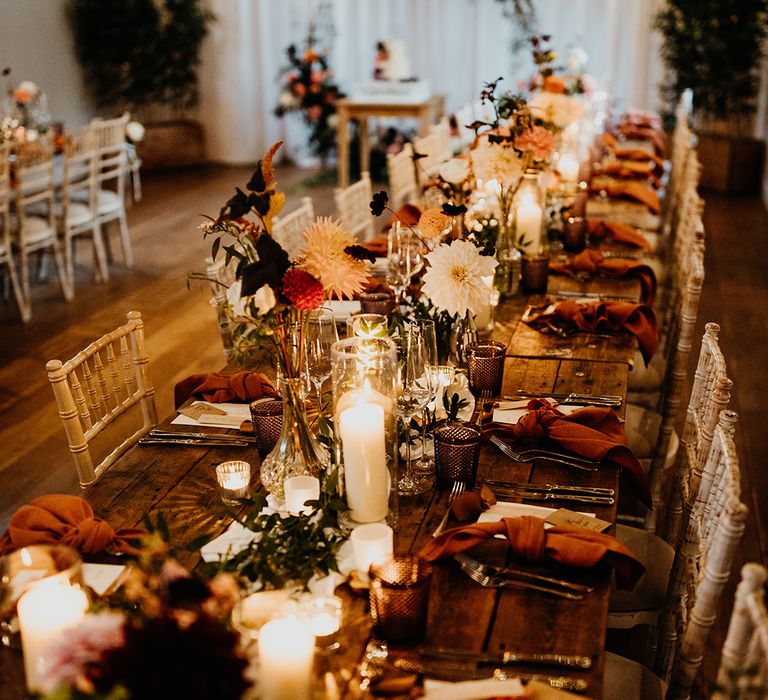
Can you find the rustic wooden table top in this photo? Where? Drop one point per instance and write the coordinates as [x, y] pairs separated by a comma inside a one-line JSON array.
[[180, 483]]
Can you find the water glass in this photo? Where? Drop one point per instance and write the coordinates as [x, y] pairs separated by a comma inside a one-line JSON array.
[[234, 479], [485, 368], [267, 420], [535, 272], [457, 448]]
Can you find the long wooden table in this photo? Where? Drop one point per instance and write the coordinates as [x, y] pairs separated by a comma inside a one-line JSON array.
[[180, 483]]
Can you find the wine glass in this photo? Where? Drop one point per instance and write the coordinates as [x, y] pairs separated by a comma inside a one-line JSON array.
[[320, 334], [404, 258], [414, 393], [424, 466]]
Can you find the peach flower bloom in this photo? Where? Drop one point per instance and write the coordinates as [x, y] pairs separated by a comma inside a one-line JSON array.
[[537, 141]]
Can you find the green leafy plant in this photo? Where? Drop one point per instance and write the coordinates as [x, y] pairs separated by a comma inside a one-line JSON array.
[[140, 52], [714, 48]]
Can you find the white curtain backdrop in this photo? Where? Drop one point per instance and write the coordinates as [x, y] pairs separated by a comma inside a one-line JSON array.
[[454, 44]]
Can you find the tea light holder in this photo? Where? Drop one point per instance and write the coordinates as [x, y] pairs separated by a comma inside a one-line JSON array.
[[371, 542], [299, 490], [323, 615], [367, 325], [234, 480], [251, 613], [286, 654], [364, 375]]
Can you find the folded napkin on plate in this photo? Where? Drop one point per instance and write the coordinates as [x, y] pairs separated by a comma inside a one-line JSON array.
[[223, 388], [600, 229], [592, 432], [605, 316], [645, 133], [641, 117], [630, 190], [593, 261], [528, 538], [637, 154], [629, 170], [61, 519]]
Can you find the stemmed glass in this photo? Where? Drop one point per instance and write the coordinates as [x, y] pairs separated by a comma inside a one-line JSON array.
[[404, 258], [424, 466], [320, 335], [414, 393]]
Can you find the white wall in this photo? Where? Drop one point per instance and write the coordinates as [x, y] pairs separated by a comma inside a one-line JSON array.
[[37, 43]]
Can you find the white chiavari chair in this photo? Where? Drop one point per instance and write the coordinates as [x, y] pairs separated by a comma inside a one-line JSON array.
[[681, 145], [464, 117], [401, 172], [743, 669], [353, 206], [33, 225], [288, 230], [101, 383], [436, 149], [6, 250], [700, 571], [77, 209], [110, 177]]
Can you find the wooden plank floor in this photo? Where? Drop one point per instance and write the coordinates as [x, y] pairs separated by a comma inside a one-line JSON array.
[[182, 337]]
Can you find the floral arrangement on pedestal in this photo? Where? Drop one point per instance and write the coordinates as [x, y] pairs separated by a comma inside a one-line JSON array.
[[308, 87], [24, 108]]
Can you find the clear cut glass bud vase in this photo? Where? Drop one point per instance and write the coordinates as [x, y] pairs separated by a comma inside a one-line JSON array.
[[297, 451]]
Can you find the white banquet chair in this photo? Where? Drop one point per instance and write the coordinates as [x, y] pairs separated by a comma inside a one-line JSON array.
[[288, 230], [6, 249], [401, 172], [107, 379], [352, 205]]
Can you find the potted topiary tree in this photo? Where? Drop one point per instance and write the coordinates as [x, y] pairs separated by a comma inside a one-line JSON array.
[[714, 47], [142, 56]]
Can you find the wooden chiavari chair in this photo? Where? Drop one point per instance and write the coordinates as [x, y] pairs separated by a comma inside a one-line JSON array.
[[352, 204], [464, 117], [403, 187], [6, 249], [436, 149], [288, 230], [98, 385]]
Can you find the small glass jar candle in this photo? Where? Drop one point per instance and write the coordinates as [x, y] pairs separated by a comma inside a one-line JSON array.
[[370, 543], [299, 490], [234, 479]]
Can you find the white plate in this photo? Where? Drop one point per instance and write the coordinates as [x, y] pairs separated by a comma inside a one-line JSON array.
[[342, 309], [473, 690]]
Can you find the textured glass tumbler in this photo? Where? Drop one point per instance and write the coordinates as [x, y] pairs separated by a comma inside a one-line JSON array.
[[267, 419], [377, 303], [575, 233], [535, 273], [399, 598], [485, 368], [457, 448]]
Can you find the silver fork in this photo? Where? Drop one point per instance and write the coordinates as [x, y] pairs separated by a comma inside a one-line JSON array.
[[501, 581], [489, 570], [457, 488], [526, 455]]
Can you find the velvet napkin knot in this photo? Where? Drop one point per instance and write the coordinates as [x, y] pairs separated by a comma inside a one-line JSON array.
[[601, 229], [220, 388], [69, 520], [529, 539], [605, 316], [593, 261], [593, 432]]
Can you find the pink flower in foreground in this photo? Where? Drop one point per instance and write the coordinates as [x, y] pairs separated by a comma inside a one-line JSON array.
[[537, 141]]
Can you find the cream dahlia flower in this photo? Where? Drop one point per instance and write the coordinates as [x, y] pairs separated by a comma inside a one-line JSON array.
[[454, 280], [324, 257], [561, 110], [493, 161]]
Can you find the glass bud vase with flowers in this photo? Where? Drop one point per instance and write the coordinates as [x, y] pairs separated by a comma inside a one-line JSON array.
[[271, 299]]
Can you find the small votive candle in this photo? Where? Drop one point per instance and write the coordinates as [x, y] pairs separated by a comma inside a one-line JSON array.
[[286, 652], [45, 612], [371, 542], [323, 613], [568, 167], [234, 479], [299, 490]]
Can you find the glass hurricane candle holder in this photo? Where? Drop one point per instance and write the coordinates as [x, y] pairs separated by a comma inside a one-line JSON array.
[[364, 375], [368, 325], [234, 480], [528, 211]]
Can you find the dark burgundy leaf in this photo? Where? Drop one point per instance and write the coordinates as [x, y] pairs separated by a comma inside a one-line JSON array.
[[359, 252], [260, 202], [379, 203], [257, 182], [236, 206], [454, 209]]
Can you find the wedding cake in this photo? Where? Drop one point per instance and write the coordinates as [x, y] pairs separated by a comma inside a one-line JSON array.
[[397, 83]]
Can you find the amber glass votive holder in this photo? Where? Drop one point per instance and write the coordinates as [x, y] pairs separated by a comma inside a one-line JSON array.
[[535, 274], [267, 419], [457, 448], [485, 368], [377, 303], [399, 598], [575, 233]]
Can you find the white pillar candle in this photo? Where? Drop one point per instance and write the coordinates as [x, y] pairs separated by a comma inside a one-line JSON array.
[[371, 543], [361, 429], [45, 611], [529, 217], [568, 167], [286, 651], [299, 490], [484, 313]]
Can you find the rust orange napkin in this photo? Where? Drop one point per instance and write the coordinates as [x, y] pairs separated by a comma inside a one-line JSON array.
[[606, 316], [61, 519], [593, 432], [219, 388], [407, 214], [630, 170], [600, 229], [644, 133], [528, 538], [593, 261], [377, 245], [630, 190]]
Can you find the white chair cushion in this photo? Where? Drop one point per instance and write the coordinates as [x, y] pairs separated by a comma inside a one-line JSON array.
[[628, 680], [650, 378], [78, 213], [108, 201], [36, 229]]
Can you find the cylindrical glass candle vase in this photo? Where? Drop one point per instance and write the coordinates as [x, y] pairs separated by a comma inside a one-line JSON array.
[[528, 211], [364, 375]]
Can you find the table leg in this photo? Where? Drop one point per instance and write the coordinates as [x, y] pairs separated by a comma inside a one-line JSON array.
[[342, 143], [365, 151], [425, 119]]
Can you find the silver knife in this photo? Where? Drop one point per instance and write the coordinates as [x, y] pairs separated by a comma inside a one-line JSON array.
[[529, 486], [550, 496], [508, 658], [193, 442], [197, 435], [594, 295], [572, 397]]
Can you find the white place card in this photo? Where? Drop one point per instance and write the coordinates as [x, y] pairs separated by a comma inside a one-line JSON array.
[[101, 577], [233, 415]]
